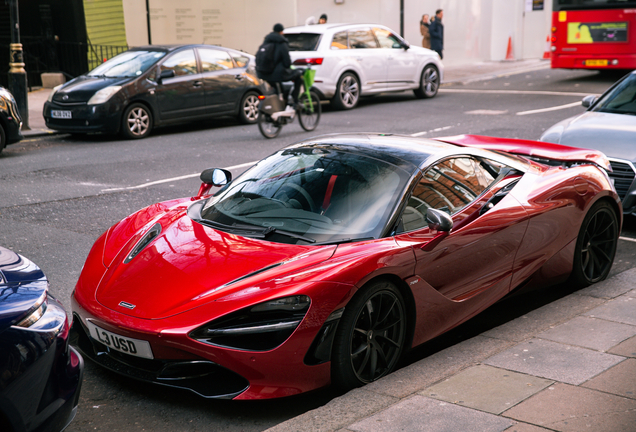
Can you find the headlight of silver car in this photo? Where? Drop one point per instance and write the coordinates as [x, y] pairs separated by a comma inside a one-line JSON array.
[[258, 328], [103, 95]]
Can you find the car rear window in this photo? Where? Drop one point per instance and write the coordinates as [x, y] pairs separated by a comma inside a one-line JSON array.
[[303, 41]]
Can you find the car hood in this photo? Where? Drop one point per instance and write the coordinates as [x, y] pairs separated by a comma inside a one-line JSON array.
[[22, 283], [189, 264], [82, 88], [613, 134]]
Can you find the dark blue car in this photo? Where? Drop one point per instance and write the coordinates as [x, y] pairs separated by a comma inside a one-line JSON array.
[[40, 373]]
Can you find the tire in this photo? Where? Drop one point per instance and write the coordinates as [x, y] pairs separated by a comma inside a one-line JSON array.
[[429, 83], [3, 138], [308, 119], [347, 92], [370, 336], [268, 128], [248, 111], [136, 122], [595, 246]]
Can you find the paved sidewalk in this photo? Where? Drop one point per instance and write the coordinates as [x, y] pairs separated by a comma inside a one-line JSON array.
[[567, 366], [453, 75]]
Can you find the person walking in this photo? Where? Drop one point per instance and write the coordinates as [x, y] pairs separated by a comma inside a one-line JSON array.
[[426, 36], [273, 62], [436, 30]]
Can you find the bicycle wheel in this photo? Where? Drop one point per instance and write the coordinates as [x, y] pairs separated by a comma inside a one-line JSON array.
[[268, 127], [309, 113]]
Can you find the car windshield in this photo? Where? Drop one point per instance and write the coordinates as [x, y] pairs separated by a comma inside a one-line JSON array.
[[303, 41], [621, 99], [127, 64], [309, 195]]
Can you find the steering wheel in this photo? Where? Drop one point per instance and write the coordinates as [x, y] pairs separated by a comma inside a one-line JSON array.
[[304, 193]]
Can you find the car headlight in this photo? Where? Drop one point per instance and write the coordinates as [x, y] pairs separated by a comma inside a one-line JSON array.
[[35, 313], [103, 95], [258, 328], [55, 89]]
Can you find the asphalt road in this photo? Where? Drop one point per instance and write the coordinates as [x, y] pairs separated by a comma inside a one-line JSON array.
[[59, 193]]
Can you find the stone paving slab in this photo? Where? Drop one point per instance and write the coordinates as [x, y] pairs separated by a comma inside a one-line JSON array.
[[613, 287], [541, 319], [619, 380], [551, 360], [419, 413], [525, 427], [487, 388], [594, 333], [569, 408], [621, 309], [625, 349]]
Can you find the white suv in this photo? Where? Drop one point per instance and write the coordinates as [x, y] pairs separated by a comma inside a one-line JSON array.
[[353, 60]]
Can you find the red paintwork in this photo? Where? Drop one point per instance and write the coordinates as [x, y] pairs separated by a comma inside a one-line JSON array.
[[177, 282], [573, 56]]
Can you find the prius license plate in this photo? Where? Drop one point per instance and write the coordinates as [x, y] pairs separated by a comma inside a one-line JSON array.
[[135, 347], [595, 62], [61, 114]]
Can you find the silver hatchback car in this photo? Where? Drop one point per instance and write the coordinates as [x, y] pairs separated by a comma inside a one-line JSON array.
[[354, 60]]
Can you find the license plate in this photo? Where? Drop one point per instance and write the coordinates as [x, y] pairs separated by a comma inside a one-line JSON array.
[[61, 114], [595, 62], [135, 347]]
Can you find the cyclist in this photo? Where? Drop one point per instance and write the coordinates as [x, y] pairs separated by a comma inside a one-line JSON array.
[[273, 62]]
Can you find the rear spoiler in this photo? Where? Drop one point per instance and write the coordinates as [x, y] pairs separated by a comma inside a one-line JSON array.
[[543, 152]]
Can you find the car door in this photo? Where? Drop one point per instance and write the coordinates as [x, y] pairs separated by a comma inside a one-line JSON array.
[[362, 50], [182, 95], [478, 254], [223, 82], [401, 63]]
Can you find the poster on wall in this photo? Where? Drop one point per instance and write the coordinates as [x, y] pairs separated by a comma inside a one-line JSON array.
[[534, 5]]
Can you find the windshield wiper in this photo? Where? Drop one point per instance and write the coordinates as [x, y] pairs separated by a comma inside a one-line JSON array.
[[344, 240], [271, 230], [253, 230]]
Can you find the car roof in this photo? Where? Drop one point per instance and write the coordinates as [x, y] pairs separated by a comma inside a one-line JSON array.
[[325, 28], [404, 151], [170, 48]]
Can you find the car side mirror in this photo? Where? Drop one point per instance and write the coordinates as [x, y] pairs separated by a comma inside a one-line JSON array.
[[166, 73], [213, 177], [588, 101], [438, 220]]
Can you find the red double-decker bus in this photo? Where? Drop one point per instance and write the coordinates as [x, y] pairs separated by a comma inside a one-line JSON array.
[[593, 34]]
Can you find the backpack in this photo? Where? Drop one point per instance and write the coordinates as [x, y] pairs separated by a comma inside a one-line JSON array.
[[265, 58]]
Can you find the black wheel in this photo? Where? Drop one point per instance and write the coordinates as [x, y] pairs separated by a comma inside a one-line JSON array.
[[136, 122], [248, 111], [268, 127], [3, 138], [429, 83], [370, 336], [595, 246], [347, 92], [309, 113]]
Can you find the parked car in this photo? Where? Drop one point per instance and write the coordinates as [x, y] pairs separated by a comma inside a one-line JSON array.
[[10, 120], [40, 373], [328, 260], [608, 125], [354, 60], [152, 86]]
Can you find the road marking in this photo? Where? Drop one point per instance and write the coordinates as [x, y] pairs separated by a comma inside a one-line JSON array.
[[417, 134], [168, 180], [516, 92], [554, 108], [487, 112], [627, 239]]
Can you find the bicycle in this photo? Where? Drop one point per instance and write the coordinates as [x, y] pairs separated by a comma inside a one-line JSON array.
[[274, 113]]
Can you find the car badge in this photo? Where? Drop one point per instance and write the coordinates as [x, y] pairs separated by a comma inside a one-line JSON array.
[[127, 305], [65, 97]]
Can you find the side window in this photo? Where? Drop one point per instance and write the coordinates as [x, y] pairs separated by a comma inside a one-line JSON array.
[[386, 39], [361, 39], [339, 41], [449, 186], [240, 59], [214, 60], [183, 63]]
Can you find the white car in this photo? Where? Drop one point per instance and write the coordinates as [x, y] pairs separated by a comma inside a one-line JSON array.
[[353, 60]]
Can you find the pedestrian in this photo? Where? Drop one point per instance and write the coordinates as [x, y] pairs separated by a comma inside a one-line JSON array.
[[323, 19], [436, 30], [426, 36], [273, 62]]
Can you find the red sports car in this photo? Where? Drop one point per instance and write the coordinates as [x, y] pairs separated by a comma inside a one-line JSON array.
[[326, 261]]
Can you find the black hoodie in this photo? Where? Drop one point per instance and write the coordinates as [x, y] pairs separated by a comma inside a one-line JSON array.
[[281, 57]]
